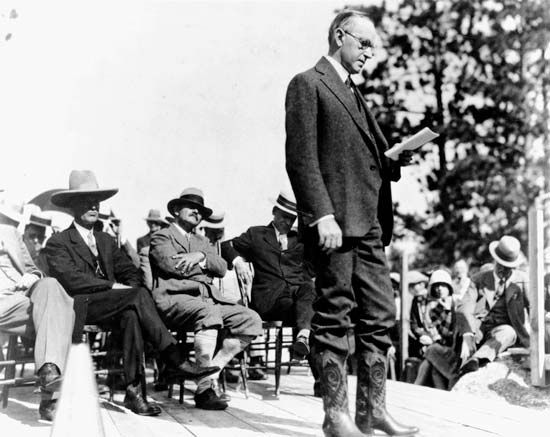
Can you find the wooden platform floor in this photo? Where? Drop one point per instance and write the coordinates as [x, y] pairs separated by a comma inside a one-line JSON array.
[[295, 413]]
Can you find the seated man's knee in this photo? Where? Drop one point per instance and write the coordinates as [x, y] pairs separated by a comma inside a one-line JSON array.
[[505, 334], [256, 320]]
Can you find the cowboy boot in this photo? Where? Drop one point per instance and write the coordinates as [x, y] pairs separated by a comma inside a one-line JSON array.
[[332, 371], [370, 412]]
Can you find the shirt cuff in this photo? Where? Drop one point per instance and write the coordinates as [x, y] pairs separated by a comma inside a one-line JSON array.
[[202, 264], [319, 220], [237, 259]]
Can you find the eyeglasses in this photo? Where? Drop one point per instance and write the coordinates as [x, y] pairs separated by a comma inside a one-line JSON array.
[[363, 44]]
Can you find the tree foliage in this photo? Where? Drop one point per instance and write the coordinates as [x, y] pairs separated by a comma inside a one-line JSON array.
[[473, 70]]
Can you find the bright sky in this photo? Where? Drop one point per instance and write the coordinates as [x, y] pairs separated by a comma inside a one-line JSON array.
[[157, 96]]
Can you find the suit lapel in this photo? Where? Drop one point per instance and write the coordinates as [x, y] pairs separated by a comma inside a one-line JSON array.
[[180, 239], [80, 247], [334, 83], [270, 237]]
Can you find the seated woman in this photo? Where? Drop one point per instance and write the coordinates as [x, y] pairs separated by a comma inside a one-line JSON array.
[[418, 335], [438, 369]]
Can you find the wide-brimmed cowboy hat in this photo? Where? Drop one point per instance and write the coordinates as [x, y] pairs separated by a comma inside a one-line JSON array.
[[82, 183], [192, 197], [286, 201], [506, 251], [37, 219], [215, 221], [155, 217]]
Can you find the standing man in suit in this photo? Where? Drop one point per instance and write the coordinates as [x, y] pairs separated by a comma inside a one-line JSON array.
[[341, 178], [184, 265], [35, 307], [282, 288], [491, 315], [106, 289]]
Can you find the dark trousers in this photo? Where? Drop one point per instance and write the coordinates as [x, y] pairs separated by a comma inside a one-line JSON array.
[[294, 306], [133, 314], [353, 291]]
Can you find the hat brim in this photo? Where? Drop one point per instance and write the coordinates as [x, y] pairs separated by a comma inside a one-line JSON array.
[[492, 250], [40, 225], [205, 212], [160, 221], [11, 215], [213, 225], [69, 197]]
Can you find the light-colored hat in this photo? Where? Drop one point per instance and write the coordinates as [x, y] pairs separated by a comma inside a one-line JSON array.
[[12, 212], [82, 183], [506, 251], [37, 219], [396, 277], [155, 217], [215, 221], [190, 196], [286, 201], [441, 277], [415, 277]]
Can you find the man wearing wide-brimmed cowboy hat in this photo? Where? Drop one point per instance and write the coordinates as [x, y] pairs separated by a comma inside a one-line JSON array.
[[282, 288], [34, 306], [491, 315], [155, 222], [184, 265], [106, 288]]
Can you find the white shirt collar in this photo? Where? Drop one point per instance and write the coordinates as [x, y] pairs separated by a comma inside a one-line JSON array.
[[84, 232], [342, 72]]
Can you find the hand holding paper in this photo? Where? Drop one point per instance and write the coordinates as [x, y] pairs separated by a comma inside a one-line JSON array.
[[417, 140]]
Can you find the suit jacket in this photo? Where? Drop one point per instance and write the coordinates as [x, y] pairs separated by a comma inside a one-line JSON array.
[[274, 269], [71, 263], [12, 243], [474, 305], [168, 280], [335, 154]]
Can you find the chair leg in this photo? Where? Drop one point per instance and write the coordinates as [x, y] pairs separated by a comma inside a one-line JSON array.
[[170, 390], [242, 363], [10, 369], [182, 389], [278, 359]]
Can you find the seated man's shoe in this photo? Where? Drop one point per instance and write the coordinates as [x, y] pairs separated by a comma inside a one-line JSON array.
[[188, 370], [46, 409], [472, 365], [49, 378], [208, 400], [300, 348], [256, 374], [135, 402]]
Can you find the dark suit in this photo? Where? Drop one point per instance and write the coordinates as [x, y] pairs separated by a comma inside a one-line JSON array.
[[143, 242], [132, 310], [282, 288], [336, 164], [475, 312], [190, 300]]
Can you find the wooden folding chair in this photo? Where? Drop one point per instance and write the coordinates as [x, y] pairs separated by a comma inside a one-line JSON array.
[[9, 364]]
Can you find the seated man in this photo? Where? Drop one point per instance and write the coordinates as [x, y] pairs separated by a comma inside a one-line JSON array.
[[184, 265], [106, 288], [155, 223], [282, 288], [34, 236], [491, 315], [33, 306]]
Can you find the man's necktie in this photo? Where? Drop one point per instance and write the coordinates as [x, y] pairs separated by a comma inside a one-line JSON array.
[[283, 241], [92, 245], [501, 288], [354, 91]]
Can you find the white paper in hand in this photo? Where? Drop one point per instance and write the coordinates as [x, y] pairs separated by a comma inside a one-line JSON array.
[[417, 140]]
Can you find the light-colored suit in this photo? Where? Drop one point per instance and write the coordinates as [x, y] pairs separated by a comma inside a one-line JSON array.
[[43, 311]]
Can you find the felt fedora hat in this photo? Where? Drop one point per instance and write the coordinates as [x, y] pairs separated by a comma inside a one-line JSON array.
[[82, 183], [286, 201], [192, 197], [215, 221], [155, 217], [506, 251]]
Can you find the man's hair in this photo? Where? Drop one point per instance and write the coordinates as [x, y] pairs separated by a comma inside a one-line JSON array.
[[341, 20]]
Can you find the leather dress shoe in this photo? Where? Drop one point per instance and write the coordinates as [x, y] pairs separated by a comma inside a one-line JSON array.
[[208, 400], [46, 409], [300, 348], [49, 378], [135, 402], [188, 370], [256, 373]]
